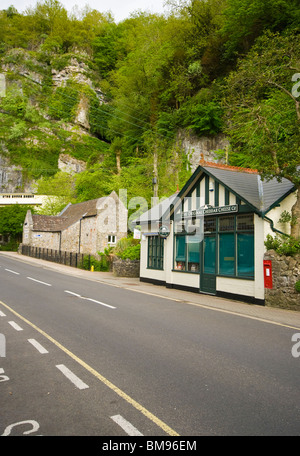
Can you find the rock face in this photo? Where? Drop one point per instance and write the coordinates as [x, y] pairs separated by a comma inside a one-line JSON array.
[[286, 272], [11, 180], [70, 165], [202, 148]]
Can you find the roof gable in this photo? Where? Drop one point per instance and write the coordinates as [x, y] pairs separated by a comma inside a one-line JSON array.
[[248, 185], [243, 185]]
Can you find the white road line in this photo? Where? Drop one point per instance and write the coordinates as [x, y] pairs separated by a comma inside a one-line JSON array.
[[74, 379], [126, 426], [98, 302], [38, 346], [2, 314], [74, 294], [90, 299], [13, 272], [39, 281], [15, 326]]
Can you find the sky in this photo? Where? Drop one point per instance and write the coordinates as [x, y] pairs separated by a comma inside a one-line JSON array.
[[120, 9]]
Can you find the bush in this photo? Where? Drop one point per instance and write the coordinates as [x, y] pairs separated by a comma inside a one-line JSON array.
[[283, 245], [131, 253], [297, 286], [128, 248], [99, 265]]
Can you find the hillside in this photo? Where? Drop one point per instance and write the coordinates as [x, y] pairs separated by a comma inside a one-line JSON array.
[[119, 98]]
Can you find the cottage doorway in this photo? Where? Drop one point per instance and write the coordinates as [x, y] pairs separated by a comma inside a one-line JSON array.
[[208, 265]]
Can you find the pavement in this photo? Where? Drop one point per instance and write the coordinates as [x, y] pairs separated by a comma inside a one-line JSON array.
[[273, 315]]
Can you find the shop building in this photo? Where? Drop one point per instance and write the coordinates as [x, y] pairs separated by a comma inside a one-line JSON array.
[[209, 237]]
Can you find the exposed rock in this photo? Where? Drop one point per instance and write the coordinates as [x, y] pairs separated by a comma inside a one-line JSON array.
[[11, 178], [70, 165], [202, 148]]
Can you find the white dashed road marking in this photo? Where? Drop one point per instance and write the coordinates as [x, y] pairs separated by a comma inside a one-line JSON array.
[[39, 281], [13, 272], [72, 377], [126, 426], [89, 299], [38, 346], [15, 326]]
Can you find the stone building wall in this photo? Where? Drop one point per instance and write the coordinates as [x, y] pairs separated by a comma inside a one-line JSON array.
[[44, 239], [286, 272], [70, 238]]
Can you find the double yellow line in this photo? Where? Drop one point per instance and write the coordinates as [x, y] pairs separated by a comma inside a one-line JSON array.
[[100, 377]]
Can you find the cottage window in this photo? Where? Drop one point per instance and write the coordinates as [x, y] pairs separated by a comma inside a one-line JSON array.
[[112, 239], [155, 252]]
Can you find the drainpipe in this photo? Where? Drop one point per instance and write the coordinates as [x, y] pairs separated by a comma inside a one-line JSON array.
[[80, 230], [275, 230], [79, 234]]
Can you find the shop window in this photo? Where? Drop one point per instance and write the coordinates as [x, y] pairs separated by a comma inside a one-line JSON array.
[[180, 253], [226, 223], [227, 254], [155, 252], [245, 254], [236, 246], [245, 222], [210, 225], [187, 253], [193, 253], [210, 255]]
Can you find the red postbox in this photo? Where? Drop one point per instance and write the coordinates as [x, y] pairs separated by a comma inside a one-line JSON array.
[[268, 274]]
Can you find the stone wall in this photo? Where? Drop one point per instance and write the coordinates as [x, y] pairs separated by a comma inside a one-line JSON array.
[[286, 272], [126, 268]]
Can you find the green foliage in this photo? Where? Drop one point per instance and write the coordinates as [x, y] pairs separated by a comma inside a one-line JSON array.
[[214, 66], [262, 117], [128, 248], [283, 245], [297, 286], [131, 253], [254, 17], [12, 219], [101, 265]]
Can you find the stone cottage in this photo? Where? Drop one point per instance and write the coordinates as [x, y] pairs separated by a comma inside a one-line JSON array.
[[87, 227]]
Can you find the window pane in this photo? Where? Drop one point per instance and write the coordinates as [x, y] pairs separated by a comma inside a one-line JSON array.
[[245, 222], [155, 252], [245, 246], [210, 255], [210, 224], [193, 253], [226, 254], [226, 223], [180, 253]]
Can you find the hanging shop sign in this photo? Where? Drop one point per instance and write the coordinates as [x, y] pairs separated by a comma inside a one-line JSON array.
[[164, 231]]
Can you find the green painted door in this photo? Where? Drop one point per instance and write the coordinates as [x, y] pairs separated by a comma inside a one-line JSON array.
[[208, 265]]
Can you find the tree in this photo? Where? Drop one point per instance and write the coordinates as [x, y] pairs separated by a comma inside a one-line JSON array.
[[246, 20], [60, 190], [11, 220], [262, 111]]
